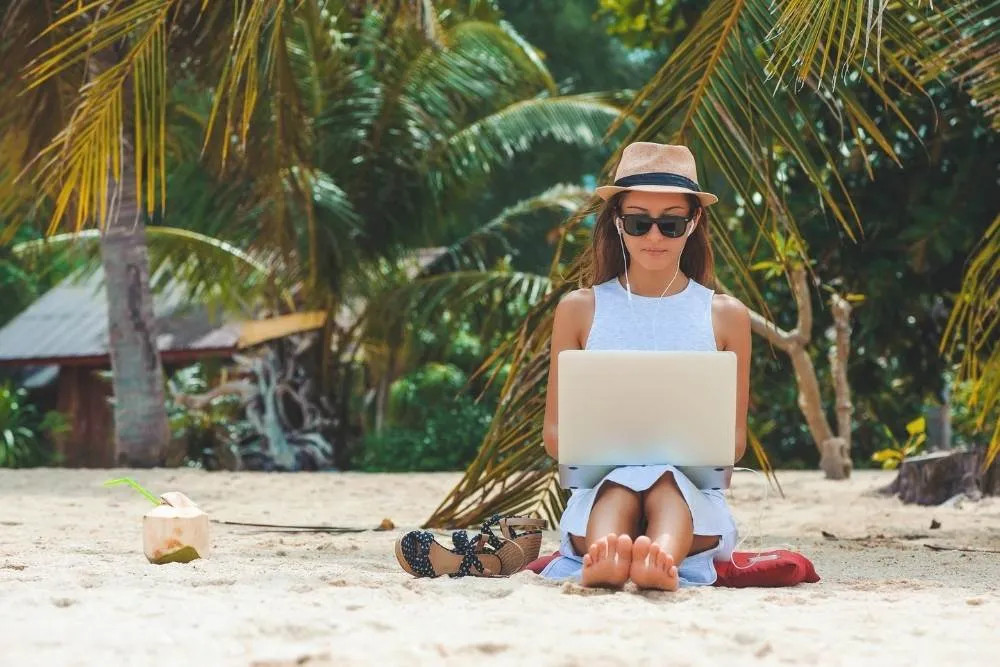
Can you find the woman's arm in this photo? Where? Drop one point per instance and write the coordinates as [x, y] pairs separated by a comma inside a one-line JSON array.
[[573, 311], [731, 320]]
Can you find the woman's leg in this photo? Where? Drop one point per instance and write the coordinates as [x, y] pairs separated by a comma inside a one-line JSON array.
[[669, 537], [607, 547]]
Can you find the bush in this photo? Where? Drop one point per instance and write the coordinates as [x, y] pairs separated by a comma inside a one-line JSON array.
[[433, 423], [209, 434], [23, 430]]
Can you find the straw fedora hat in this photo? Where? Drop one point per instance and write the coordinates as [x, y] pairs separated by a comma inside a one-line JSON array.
[[653, 167]]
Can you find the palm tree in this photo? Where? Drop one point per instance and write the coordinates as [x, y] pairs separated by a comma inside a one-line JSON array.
[[729, 91], [345, 134]]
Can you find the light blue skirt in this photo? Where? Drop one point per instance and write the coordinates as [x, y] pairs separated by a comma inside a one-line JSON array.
[[709, 513]]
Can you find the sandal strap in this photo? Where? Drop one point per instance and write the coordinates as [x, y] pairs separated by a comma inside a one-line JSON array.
[[506, 525], [467, 549], [487, 531], [416, 550]]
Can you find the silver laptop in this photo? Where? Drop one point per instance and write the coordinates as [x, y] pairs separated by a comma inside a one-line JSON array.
[[619, 408]]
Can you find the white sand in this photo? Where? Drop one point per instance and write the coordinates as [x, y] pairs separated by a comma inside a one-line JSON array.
[[76, 589]]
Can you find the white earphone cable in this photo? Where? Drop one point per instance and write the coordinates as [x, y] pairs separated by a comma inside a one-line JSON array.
[[761, 553], [628, 287]]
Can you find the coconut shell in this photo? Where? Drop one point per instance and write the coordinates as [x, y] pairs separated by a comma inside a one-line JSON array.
[[175, 531]]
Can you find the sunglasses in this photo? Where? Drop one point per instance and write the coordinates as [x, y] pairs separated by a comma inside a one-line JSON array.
[[639, 224]]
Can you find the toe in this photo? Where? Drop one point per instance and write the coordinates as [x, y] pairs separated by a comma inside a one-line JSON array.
[[624, 548], [663, 560], [599, 550], [641, 549]]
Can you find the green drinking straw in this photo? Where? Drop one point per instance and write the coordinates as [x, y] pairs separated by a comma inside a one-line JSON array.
[[135, 485]]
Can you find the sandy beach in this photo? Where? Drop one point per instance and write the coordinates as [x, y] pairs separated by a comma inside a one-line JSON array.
[[75, 588]]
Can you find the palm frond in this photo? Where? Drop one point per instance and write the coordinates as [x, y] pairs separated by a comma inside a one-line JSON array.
[[499, 237], [512, 473], [824, 41], [205, 270], [421, 300], [485, 144], [251, 53], [76, 165], [483, 65], [968, 38], [974, 325]]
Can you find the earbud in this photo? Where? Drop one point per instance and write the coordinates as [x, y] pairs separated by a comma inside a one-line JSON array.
[[621, 241]]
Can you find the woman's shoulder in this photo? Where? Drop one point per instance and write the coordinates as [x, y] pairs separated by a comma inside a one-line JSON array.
[[575, 308], [728, 306], [578, 303], [578, 297], [726, 301], [729, 315]]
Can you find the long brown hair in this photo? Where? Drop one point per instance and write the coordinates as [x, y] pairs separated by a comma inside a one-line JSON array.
[[604, 259]]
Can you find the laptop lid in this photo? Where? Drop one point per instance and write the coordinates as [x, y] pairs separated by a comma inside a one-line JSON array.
[[636, 407]]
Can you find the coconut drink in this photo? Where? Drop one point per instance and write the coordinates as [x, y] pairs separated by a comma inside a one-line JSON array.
[[175, 531]]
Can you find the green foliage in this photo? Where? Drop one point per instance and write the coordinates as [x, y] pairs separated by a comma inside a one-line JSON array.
[[17, 286], [435, 423], [20, 284], [210, 433], [650, 23], [970, 425], [23, 430], [891, 457]]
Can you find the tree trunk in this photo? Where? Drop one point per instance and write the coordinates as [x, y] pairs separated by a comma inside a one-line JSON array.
[[141, 429], [839, 353], [834, 452], [933, 478], [142, 433]]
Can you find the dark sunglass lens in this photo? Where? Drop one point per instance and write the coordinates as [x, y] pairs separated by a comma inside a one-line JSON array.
[[672, 226], [636, 225]]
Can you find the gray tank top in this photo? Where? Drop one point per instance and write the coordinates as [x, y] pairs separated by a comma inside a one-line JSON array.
[[679, 322]]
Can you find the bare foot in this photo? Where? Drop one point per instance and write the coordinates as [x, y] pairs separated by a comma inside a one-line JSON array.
[[652, 567], [607, 562]]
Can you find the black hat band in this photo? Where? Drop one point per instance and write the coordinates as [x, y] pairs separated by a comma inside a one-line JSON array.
[[657, 178]]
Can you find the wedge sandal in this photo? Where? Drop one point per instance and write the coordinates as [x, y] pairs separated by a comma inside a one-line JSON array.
[[523, 531], [420, 555]]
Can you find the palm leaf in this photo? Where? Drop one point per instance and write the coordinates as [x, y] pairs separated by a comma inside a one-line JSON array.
[[480, 147], [423, 299], [974, 325], [967, 36], [824, 41], [75, 166], [208, 271], [482, 66], [500, 236]]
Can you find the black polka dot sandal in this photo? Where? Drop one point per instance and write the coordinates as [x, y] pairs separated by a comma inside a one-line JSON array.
[[420, 555]]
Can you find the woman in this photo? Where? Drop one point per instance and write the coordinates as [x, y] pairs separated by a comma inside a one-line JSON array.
[[651, 265]]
